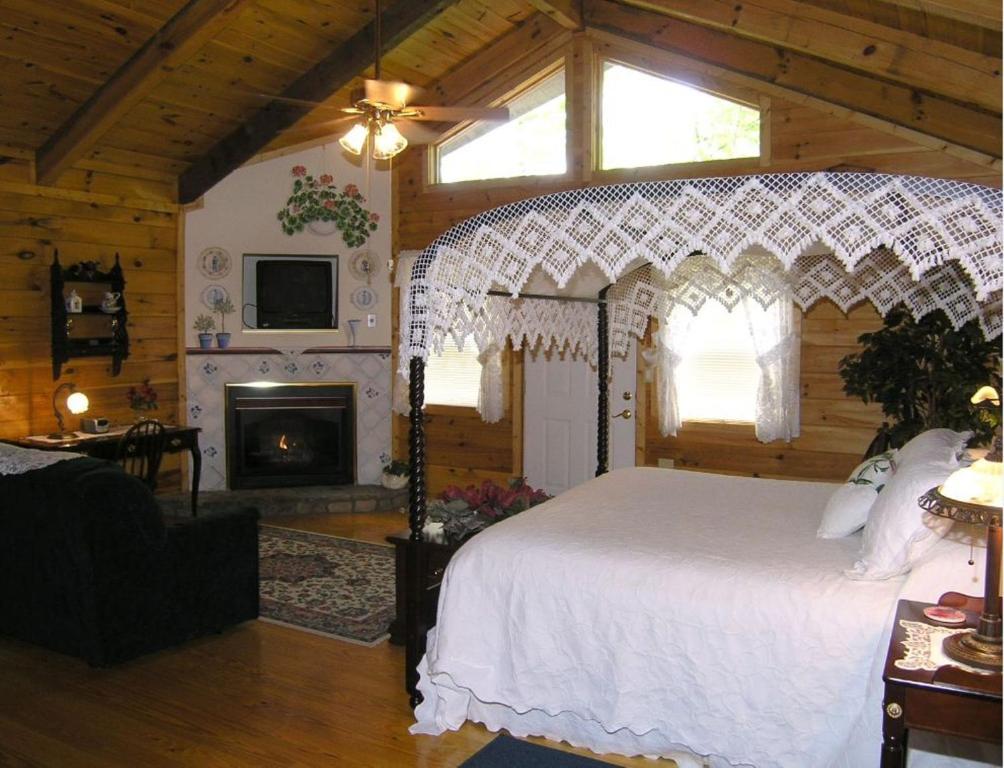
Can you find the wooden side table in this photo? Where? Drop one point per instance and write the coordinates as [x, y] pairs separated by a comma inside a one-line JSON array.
[[438, 554], [947, 700]]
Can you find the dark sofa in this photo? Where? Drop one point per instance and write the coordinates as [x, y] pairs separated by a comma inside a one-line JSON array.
[[90, 567]]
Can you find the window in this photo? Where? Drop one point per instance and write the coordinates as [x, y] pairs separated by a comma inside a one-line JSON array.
[[453, 378], [649, 120], [719, 376], [532, 143]]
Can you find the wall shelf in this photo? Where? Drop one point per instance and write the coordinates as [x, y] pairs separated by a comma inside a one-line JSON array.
[[91, 332]]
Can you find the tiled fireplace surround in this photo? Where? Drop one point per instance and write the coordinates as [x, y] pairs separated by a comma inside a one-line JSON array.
[[370, 370]]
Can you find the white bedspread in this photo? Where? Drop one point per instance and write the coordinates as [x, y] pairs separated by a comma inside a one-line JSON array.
[[657, 612]]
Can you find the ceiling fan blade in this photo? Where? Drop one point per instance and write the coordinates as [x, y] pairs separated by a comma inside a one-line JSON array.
[[391, 92], [417, 134], [321, 125], [460, 114]]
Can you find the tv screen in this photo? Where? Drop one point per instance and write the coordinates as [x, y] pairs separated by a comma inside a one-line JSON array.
[[294, 294]]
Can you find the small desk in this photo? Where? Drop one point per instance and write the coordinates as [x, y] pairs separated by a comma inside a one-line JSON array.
[[946, 700], [105, 446]]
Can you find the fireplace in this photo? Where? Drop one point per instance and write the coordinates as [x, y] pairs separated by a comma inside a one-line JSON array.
[[290, 434]]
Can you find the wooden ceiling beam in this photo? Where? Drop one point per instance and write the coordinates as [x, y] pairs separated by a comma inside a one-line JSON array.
[[568, 13], [892, 54], [944, 119], [184, 34], [980, 13], [333, 72]]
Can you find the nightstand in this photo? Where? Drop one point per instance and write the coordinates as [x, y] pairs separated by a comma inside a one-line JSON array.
[[947, 700], [438, 554]]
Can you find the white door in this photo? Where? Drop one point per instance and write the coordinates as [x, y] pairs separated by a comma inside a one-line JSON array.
[[559, 420]]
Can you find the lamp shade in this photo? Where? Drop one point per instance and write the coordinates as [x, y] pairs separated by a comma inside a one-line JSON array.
[[355, 139], [388, 141], [981, 484], [77, 403]]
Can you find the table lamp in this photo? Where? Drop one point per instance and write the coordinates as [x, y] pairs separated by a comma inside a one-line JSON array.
[[76, 403], [975, 494]]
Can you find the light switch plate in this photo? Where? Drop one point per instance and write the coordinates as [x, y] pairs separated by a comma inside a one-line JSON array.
[[371, 321]]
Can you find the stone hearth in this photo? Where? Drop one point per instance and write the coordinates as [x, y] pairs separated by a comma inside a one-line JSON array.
[[280, 502]]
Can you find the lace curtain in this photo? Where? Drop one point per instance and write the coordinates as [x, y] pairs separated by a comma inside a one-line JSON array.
[[777, 348]]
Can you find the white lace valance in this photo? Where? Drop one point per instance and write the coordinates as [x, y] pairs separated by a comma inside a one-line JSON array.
[[931, 243]]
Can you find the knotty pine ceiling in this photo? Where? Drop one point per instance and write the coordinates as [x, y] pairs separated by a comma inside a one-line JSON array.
[[55, 54]]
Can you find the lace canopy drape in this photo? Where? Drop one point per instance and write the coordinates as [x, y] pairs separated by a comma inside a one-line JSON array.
[[764, 242]]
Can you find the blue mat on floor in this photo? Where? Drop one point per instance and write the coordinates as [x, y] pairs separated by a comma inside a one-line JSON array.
[[507, 752]]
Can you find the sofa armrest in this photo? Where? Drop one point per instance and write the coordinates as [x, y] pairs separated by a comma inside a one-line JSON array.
[[214, 560]]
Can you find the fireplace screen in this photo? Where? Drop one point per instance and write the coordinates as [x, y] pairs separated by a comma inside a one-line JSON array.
[[290, 434]]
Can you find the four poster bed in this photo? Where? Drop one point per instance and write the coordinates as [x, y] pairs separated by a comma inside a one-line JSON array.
[[672, 613]]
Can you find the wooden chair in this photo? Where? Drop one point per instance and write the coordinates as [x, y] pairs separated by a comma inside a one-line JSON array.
[[140, 450]]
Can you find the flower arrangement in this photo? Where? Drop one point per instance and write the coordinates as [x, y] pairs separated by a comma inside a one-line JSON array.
[[464, 512], [143, 397], [318, 199]]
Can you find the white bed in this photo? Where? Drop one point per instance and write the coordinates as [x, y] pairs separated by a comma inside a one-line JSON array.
[[673, 613]]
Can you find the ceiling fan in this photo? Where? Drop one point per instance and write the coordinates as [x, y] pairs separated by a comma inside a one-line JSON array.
[[383, 109]]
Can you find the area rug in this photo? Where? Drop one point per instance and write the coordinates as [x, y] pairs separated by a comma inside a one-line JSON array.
[[507, 752], [337, 587]]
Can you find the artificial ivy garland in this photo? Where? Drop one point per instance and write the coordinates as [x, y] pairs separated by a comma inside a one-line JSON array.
[[320, 200]]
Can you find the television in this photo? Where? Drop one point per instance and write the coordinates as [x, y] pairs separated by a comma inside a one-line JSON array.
[[292, 293]]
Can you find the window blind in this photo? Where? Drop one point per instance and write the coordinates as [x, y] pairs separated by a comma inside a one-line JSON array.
[[453, 378], [719, 377]]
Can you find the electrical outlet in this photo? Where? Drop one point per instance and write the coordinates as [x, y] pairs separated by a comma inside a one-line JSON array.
[[371, 321], [666, 463]]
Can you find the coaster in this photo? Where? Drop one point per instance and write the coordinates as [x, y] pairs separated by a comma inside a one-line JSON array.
[[944, 615]]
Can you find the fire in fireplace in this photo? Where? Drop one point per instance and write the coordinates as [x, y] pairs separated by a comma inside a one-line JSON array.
[[290, 434]]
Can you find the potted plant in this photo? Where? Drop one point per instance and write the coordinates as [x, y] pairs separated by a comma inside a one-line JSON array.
[[205, 325], [223, 307], [395, 475], [922, 372], [462, 512]]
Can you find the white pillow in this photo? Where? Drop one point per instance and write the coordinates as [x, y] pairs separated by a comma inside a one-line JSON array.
[[898, 530], [848, 507], [937, 444]]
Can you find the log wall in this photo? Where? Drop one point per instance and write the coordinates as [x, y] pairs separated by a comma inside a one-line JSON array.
[[87, 216], [797, 135]]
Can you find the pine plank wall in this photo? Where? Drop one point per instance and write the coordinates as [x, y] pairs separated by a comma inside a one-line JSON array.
[[87, 215], [797, 134]]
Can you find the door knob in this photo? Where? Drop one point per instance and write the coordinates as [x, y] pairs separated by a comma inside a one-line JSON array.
[[625, 414], [627, 395]]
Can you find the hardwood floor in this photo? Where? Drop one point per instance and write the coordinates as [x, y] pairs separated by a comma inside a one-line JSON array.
[[256, 695]]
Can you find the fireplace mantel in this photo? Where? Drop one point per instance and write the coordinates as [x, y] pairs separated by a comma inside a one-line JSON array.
[[194, 351], [207, 375]]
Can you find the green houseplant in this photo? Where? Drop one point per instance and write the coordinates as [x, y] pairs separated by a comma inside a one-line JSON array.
[[205, 325], [922, 373], [395, 475], [223, 307]]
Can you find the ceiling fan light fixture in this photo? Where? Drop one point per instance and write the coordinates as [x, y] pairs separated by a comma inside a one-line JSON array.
[[355, 139], [387, 141]]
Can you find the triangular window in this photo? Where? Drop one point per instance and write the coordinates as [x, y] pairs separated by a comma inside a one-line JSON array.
[[532, 143], [649, 120]]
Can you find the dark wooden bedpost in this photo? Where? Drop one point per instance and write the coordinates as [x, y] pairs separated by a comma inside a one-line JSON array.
[[415, 629], [603, 376]]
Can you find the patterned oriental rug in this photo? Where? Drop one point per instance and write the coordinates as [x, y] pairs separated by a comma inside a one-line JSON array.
[[340, 588]]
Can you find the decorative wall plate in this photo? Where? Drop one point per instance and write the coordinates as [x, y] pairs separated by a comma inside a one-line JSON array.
[[364, 265], [213, 293], [364, 298], [214, 263]]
